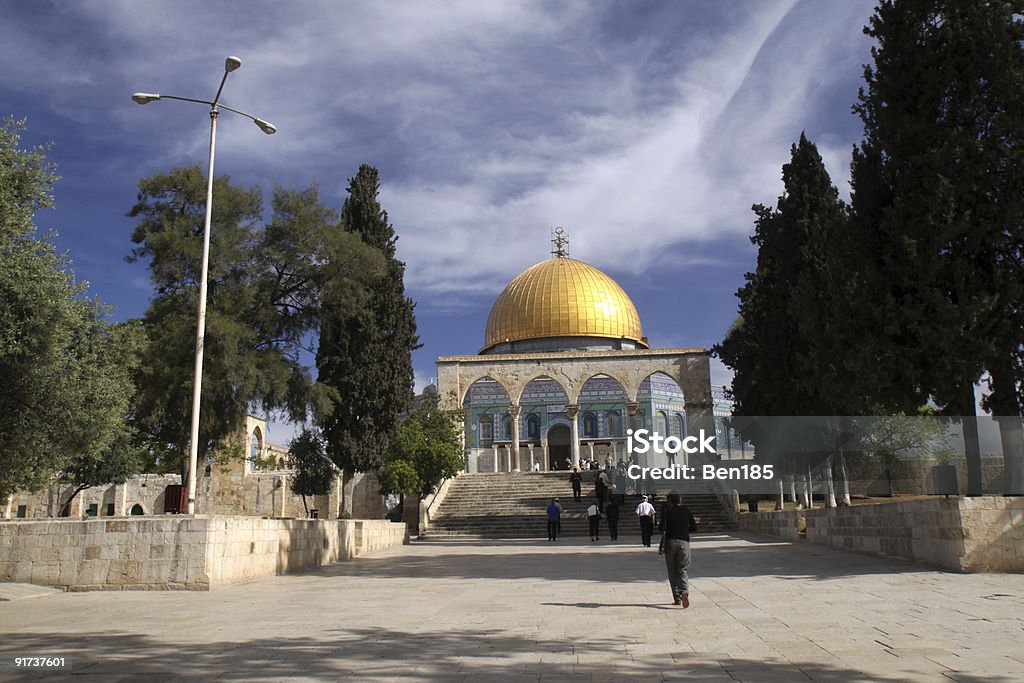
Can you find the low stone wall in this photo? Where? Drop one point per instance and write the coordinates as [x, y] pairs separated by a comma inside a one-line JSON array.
[[964, 534], [786, 525], [192, 553]]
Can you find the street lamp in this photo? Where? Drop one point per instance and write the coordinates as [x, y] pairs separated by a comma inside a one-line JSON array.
[[230, 64]]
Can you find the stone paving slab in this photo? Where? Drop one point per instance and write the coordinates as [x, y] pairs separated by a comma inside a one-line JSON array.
[[458, 610]]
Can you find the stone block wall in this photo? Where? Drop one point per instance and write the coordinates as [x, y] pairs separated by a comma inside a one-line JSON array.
[[786, 525], [963, 534], [144, 490], [193, 553], [993, 533], [926, 531]]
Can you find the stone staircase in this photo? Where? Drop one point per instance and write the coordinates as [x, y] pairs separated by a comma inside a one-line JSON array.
[[513, 505]]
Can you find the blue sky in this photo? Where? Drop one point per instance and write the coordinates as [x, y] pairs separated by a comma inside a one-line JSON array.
[[646, 129]]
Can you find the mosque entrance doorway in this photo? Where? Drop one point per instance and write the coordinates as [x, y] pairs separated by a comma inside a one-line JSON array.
[[559, 446]]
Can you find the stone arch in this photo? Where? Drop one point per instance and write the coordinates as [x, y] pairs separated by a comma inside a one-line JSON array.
[[256, 447], [601, 388], [558, 436], [486, 403], [522, 384], [137, 510], [533, 427], [474, 377]]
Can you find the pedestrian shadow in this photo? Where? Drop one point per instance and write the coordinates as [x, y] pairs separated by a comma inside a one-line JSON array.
[[595, 605]]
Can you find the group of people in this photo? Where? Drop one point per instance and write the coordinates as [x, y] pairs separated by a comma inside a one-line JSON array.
[[675, 523]]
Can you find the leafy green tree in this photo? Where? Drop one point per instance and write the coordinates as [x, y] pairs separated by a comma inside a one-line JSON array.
[[425, 450], [364, 358], [266, 287], [313, 472], [937, 203], [63, 369], [778, 348]]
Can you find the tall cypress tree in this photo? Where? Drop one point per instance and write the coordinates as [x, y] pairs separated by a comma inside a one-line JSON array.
[[937, 202], [777, 348], [365, 354]]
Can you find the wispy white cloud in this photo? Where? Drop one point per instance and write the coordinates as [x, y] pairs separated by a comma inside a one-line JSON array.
[[491, 122]]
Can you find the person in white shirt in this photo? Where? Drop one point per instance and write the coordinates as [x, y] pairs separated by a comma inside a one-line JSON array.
[[594, 517], [645, 512]]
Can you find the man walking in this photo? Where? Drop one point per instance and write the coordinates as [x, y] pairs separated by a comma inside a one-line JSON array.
[[677, 523], [576, 479], [611, 511], [601, 489], [645, 512], [554, 519], [594, 517]]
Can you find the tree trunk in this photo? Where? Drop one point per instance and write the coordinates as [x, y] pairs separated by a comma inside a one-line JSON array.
[[809, 490], [830, 487], [1005, 407], [792, 488], [305, 506], [67, 503], [780, 504], [844, 479], [1011, 436], [347, 486], [972, 448]]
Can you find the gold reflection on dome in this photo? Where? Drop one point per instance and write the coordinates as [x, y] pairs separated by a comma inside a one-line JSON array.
[[562, 297]]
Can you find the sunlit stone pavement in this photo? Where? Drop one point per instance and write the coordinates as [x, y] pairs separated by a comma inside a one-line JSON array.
[[762, 610]]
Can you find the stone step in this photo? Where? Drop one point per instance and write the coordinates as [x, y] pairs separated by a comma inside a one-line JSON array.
[[512, 505]]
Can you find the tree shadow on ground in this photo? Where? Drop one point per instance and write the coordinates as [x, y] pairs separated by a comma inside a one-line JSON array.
[[717, 556], [371, 654]]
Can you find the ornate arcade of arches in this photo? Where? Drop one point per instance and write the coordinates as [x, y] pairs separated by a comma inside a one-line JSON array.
[[689, 368]]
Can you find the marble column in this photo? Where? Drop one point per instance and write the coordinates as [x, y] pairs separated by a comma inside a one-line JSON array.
[[495, 447], [574, 427], [529, 447], [545, 466], [514, 411], [632, 410]]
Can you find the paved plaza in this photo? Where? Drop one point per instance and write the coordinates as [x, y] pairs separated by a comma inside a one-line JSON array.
[[762, 611]]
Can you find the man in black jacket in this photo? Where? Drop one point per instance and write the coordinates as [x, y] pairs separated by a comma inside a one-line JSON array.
[[611, 511], [676, 524]]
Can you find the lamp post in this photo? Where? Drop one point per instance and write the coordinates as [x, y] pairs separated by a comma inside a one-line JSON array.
[[230, 64]]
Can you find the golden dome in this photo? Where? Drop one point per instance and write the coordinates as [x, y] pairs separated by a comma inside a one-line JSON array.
[[562, 297]]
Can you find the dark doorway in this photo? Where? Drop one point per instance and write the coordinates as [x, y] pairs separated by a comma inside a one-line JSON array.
[[559, 447]]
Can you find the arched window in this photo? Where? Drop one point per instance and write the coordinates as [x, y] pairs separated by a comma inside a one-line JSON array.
[[137, 510], [533, 427], [614, 423], [506, 427], [255, 448], [486, 430], [679, 426], [589, 425], [662, 426]]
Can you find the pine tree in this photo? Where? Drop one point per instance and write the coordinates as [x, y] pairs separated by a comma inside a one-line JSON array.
[[365, 353], [937, 203], [788, 306]]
